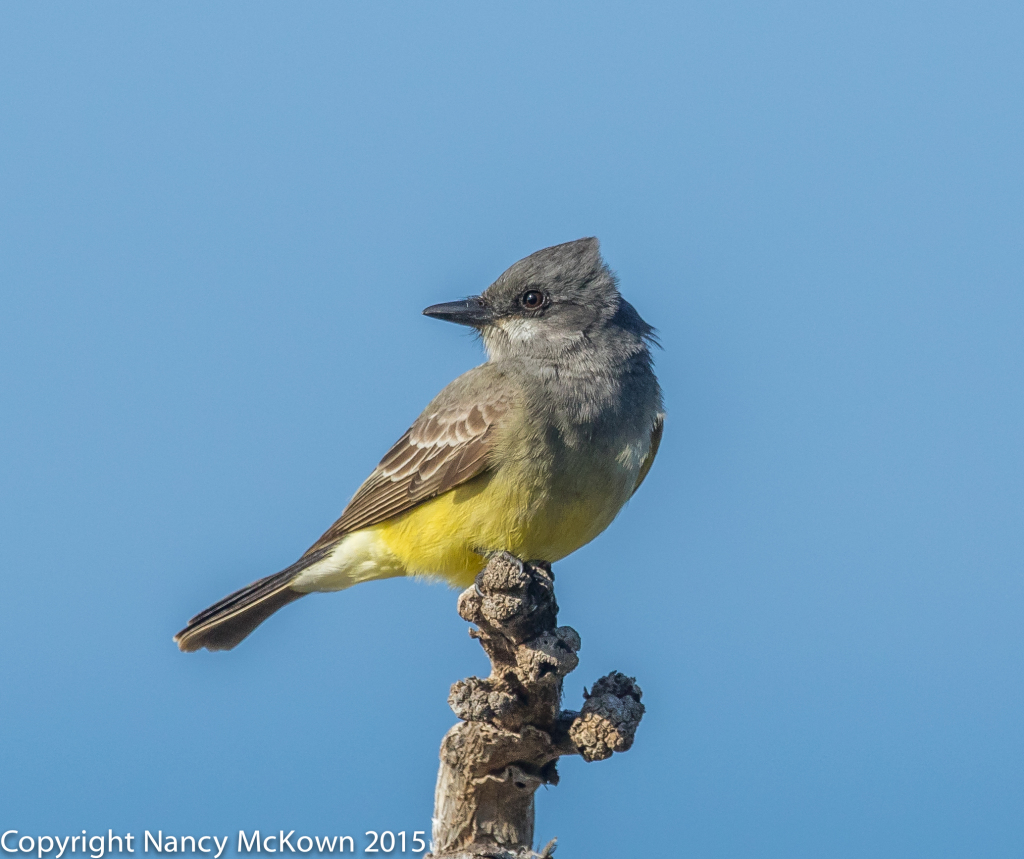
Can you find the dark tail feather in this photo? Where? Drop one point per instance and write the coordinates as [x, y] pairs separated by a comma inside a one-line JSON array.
[[225, 623]]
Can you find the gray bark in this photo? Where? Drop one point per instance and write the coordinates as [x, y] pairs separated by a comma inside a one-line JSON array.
[[513, 729]]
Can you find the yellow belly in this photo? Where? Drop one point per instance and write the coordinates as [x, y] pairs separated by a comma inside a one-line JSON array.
[[449, 536]]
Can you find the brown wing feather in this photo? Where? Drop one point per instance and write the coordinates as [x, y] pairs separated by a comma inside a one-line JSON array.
[[445, 447]]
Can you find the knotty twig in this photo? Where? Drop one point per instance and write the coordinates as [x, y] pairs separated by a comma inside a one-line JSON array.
[[513, 729]]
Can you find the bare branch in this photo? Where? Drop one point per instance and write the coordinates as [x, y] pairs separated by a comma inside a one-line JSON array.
[[514, 729]]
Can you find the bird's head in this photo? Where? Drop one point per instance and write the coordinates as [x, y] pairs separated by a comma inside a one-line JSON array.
[[545, 305]]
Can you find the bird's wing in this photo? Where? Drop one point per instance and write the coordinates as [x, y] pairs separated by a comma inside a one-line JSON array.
[[652, 451], [446, 446]]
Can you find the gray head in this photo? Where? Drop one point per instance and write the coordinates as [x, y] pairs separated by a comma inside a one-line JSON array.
[[554, 302]]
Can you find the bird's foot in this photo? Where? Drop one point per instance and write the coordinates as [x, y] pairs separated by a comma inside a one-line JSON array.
[[545, 567]]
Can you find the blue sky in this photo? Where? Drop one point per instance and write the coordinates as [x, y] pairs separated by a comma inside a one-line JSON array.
[[218, 226]]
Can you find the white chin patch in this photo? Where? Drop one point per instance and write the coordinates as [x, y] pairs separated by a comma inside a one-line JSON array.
[[518, 330]]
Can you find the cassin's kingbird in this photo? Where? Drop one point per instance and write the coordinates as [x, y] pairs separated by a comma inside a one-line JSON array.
[[533, 452]]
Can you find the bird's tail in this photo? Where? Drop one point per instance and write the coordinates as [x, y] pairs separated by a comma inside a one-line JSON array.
[[225, 623]]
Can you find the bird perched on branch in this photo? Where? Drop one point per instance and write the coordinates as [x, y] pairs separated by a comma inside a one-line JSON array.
[[533, 452]]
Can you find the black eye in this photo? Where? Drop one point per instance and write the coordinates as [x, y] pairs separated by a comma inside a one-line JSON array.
[[532, 299]]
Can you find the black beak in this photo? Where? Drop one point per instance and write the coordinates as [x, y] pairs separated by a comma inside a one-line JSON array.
[[472, 312]]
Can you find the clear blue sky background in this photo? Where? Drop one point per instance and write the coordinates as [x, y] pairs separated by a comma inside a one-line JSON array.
[[218, 226]]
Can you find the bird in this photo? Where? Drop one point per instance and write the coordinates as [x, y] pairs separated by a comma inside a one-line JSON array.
[[532, 453]]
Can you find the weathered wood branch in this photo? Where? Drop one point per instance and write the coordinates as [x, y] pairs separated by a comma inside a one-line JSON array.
[[513, 729]]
